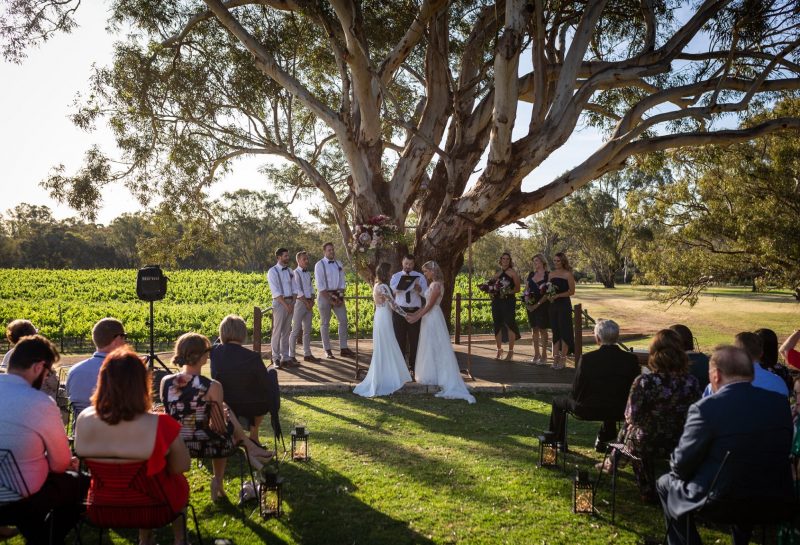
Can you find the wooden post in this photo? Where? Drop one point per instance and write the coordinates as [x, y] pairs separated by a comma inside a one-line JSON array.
[[578, 315], [458, 318], [469, 304], [357, 360], [257, 330]]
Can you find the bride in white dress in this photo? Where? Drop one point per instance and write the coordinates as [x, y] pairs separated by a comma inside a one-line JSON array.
[[436, 361], [387, 369]]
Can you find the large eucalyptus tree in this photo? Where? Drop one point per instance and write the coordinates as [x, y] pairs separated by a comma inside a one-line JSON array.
[[415, 106]]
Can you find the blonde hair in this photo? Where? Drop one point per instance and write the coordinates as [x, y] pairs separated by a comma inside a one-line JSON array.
[[540, 257], [190, 348], [232, 328], [435, 269]]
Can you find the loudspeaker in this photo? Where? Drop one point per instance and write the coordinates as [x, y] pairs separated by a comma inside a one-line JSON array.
[[151, 284]]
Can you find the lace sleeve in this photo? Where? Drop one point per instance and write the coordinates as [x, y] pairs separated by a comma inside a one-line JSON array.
[[386, 292]]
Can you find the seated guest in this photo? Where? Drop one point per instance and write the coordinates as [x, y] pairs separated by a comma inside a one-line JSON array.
[[600, 387], [769, 357], [789, 351], [209, 427], [15, 330], [754, 347], [698, 362], [242, 374], [754, 424], [657, 408], [31, 428], [119, 428], [107, 335]]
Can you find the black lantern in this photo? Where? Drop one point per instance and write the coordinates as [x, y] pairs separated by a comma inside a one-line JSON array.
[[582, 493], [271, 496], [300, 444], [548, 450]]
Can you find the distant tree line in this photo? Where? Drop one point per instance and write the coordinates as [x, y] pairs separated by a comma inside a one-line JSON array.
[[689, 219]]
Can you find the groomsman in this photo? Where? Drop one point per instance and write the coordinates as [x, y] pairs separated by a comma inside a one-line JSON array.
[[303, 309], [410, 300], [280, 284], [329, 276]]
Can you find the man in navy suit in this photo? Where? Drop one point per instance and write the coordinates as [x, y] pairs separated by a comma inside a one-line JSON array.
[[754, 425]]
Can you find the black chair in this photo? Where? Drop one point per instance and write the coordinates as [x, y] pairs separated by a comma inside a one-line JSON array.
[[622, 453], [747, 511], [619, 418], [123, 496], [13, 489]]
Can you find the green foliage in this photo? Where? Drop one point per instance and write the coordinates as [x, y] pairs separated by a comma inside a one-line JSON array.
[[730, 216], [68, 303]]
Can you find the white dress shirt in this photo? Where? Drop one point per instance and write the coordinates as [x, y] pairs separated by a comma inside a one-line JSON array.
[[301, 283], [414, 299], [31, 427], [329, 275], [280, 281]]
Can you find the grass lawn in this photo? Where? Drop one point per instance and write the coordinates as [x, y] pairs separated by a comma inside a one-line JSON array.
[[719, 314], [416, 469]]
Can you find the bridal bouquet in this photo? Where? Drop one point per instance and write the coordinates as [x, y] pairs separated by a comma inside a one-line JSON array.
[[549, 290], [497, 287], [529, 300]]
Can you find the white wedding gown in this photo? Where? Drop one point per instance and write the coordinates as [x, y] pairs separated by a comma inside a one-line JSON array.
[[436, 361], [387, 369]]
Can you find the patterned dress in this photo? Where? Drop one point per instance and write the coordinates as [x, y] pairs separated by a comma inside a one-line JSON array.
[[654, 419], [184, 400]]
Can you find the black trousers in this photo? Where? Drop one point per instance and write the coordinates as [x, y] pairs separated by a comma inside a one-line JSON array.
[[680, 528], [407, 336], [64, 494], [558, 420]]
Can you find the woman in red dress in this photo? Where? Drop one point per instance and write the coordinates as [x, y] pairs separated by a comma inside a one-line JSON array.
[[120, 429]]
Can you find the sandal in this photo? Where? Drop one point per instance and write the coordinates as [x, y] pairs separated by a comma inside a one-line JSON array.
[[509, 355], [217, 491], [499, 355]]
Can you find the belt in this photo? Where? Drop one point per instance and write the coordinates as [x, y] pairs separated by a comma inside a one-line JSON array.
[[410, 309], [285, 298]]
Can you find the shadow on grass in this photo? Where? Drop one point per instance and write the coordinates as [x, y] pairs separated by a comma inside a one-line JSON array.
[[322, 507]]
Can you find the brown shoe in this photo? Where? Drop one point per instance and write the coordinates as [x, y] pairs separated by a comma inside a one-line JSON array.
[[347, 353], [311, 359]]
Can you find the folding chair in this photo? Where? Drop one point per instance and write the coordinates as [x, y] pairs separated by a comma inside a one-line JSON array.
[[123, 496], [200, 449], [13, 488], [752, 511]]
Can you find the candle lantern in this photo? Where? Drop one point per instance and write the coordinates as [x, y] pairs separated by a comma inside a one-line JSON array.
[[582, 493], [548, 450], [271, 500], [300, 444]]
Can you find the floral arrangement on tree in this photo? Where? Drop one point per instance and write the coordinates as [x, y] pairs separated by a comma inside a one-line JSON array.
[[378, 230], [497, 287], [376, 233]]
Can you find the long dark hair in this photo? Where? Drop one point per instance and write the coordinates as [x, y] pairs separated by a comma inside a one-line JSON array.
[[769, 356], [382, 273]]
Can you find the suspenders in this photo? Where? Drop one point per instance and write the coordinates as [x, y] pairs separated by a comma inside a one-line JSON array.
[[280, 281]]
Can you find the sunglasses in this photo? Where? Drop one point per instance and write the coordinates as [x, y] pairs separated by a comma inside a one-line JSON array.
[[123, 335]]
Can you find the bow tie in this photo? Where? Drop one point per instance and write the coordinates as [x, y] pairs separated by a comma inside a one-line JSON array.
[[329, 261], [285, 268], [304, 270]]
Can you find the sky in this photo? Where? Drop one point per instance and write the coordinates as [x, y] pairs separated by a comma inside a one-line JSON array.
[[37, 96]]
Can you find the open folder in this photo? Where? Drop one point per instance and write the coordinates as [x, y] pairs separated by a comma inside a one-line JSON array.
[[406, 281]]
